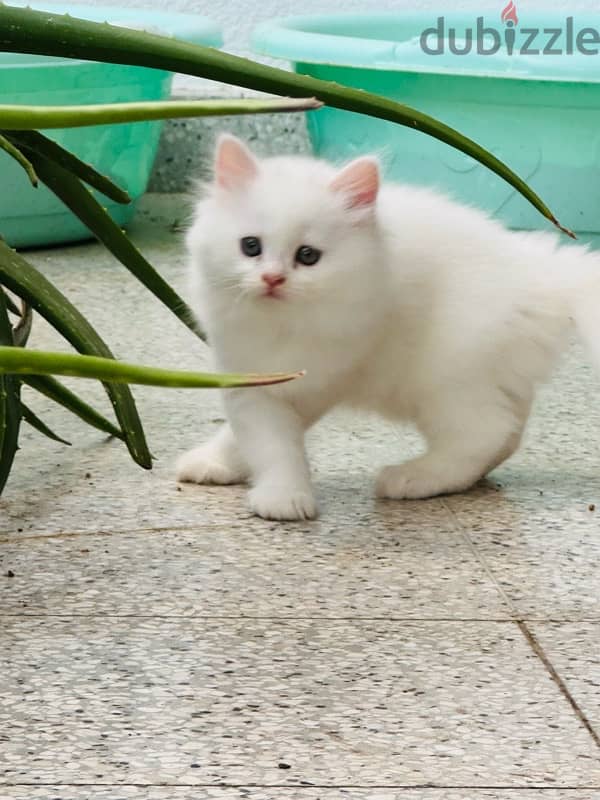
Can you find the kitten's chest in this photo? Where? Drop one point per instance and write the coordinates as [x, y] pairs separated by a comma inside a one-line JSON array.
[[327, 360], [281, 352], [276, 342]]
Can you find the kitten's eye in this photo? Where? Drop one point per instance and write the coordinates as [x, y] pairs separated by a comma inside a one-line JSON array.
[[307, 255], [251, 246]]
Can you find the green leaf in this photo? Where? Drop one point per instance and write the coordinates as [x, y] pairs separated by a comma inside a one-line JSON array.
[[23, 327], [34, 142], [18, 156], [12, 306], [21, 362], [22, 118], [32, 419], [28, 283], [27, 31], [50, 387], [82, 203], [10, 407]]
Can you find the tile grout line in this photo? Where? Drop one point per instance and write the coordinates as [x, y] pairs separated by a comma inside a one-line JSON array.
[[307, 786], [208, 618], [564, 690], [287, 619], [529, 636], [21, 538], [480, 559]]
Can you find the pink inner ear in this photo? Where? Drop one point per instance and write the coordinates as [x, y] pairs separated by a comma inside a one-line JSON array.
[[359, 181], [234, 163]]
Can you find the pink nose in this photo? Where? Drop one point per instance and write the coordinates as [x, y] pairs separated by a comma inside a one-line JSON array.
[[273, 279]]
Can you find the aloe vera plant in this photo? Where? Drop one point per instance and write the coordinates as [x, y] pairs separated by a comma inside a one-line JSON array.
[[74, 183]]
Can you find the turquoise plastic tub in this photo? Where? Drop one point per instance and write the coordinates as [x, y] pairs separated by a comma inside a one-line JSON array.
[[124, 152], [538, 113]]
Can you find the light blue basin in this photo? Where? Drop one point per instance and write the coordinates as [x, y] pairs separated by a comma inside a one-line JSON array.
[[124, 152], [540, 113]]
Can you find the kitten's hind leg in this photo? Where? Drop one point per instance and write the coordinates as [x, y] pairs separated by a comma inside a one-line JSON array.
[[218, 461], [467, 438]]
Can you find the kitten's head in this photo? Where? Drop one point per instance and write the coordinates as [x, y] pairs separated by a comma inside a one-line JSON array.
[[287, 232]]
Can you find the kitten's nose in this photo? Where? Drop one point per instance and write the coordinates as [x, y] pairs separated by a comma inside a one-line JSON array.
[[273, 279]]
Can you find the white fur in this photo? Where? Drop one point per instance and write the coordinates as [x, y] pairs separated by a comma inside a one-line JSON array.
[[420, 309]]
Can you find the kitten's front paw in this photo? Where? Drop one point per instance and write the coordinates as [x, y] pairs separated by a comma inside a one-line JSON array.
[[201, 465], [282, 503]]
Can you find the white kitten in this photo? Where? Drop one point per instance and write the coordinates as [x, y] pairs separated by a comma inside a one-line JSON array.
[[393, 298]]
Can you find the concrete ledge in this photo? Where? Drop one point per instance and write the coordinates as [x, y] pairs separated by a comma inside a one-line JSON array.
[[186, 146]]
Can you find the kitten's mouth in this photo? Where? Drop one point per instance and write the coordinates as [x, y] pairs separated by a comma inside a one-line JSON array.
[[274, 292]]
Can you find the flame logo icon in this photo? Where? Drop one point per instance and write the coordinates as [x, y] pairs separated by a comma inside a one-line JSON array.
[[509, 14]]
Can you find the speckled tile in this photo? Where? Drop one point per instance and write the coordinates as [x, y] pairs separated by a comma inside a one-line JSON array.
[[299, 793], [543, 555], [235, 570], [210, 702], [574, 651]]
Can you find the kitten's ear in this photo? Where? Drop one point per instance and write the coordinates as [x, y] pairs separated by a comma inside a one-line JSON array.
[[359, 182], [234, 163]]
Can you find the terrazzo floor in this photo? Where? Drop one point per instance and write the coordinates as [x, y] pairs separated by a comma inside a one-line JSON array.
[[158, 642]]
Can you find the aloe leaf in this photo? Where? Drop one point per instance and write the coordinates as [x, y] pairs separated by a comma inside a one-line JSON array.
[[17, 361], [50, 387], [32, 419], [22, 118], [34, 142], [11, 305], [83, 204], [28, 283], [27, 31], [10, 408], [22, 329], [18, 156]]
